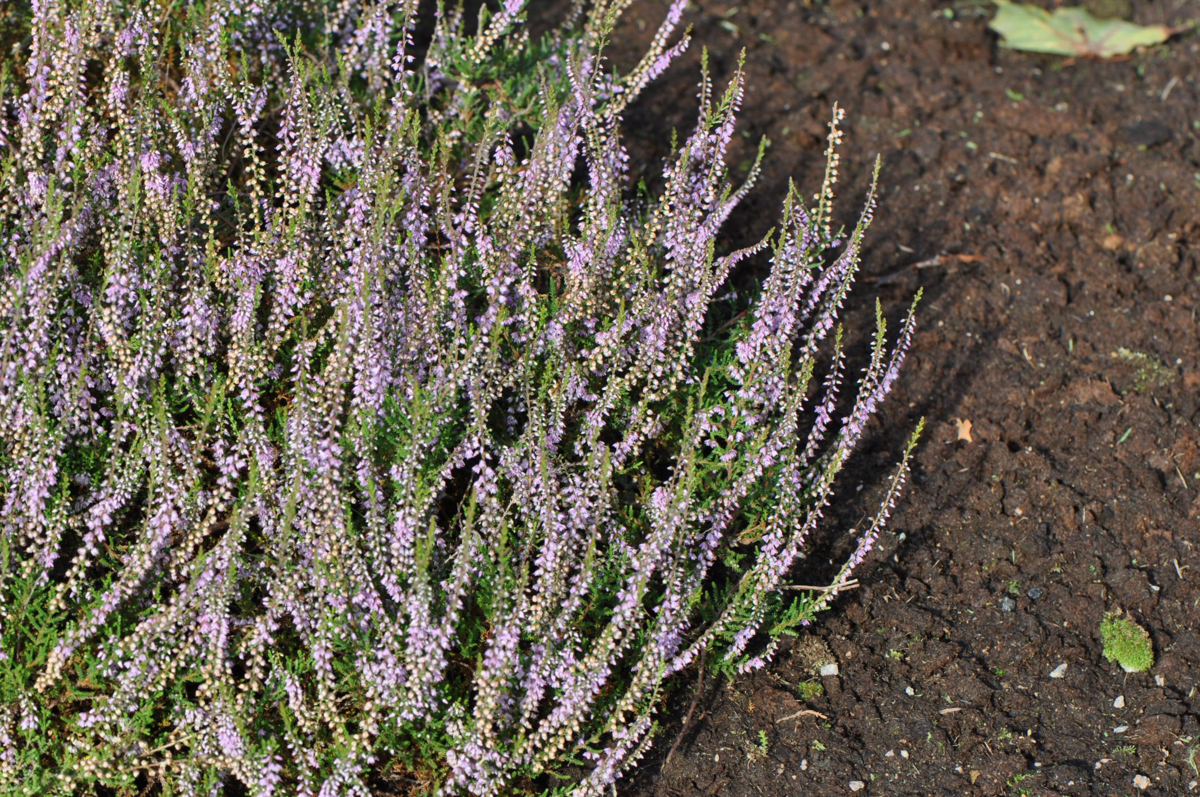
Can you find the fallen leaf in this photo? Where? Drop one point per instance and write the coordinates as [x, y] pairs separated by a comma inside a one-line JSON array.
[[963, 427], [1071, 31]]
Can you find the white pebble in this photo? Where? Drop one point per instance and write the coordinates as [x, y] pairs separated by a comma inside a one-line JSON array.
[[1119, 702], [890, 754], [904, 754], [1120, 729], [1060, 671], [829, 669], [1160, 681], [1141, 781], [908, 690], [857, 785]]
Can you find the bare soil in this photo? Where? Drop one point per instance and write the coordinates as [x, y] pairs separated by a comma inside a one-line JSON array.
[[1050, 209]]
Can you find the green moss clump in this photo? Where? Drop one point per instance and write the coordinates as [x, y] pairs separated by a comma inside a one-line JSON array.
[[1126, 643], [809, 691], [1149, 372]]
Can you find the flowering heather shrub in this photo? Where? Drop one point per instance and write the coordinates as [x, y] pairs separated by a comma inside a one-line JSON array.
[[355, 421]]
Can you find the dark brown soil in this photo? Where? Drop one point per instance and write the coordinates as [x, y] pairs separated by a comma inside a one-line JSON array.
[[1051, 211]]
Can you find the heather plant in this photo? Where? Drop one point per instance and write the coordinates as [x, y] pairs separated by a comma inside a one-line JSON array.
[[358, 422]]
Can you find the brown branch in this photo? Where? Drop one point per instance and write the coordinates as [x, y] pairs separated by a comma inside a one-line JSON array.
[[688, 717], [808, 712], [834, 588]]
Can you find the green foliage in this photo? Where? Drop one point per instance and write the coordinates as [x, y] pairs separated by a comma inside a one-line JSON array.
[[1126, 643], [809, 691]]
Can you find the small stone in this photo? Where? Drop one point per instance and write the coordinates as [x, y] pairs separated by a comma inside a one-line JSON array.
[[1034, 593], [908, 690], [1120, 729], [857, 785], [1141, 781], [904, 754], [829, 669], [1119, 702], [1160, 681], [890, 754], [804, 765], [1059, 672], [1007, 605]]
